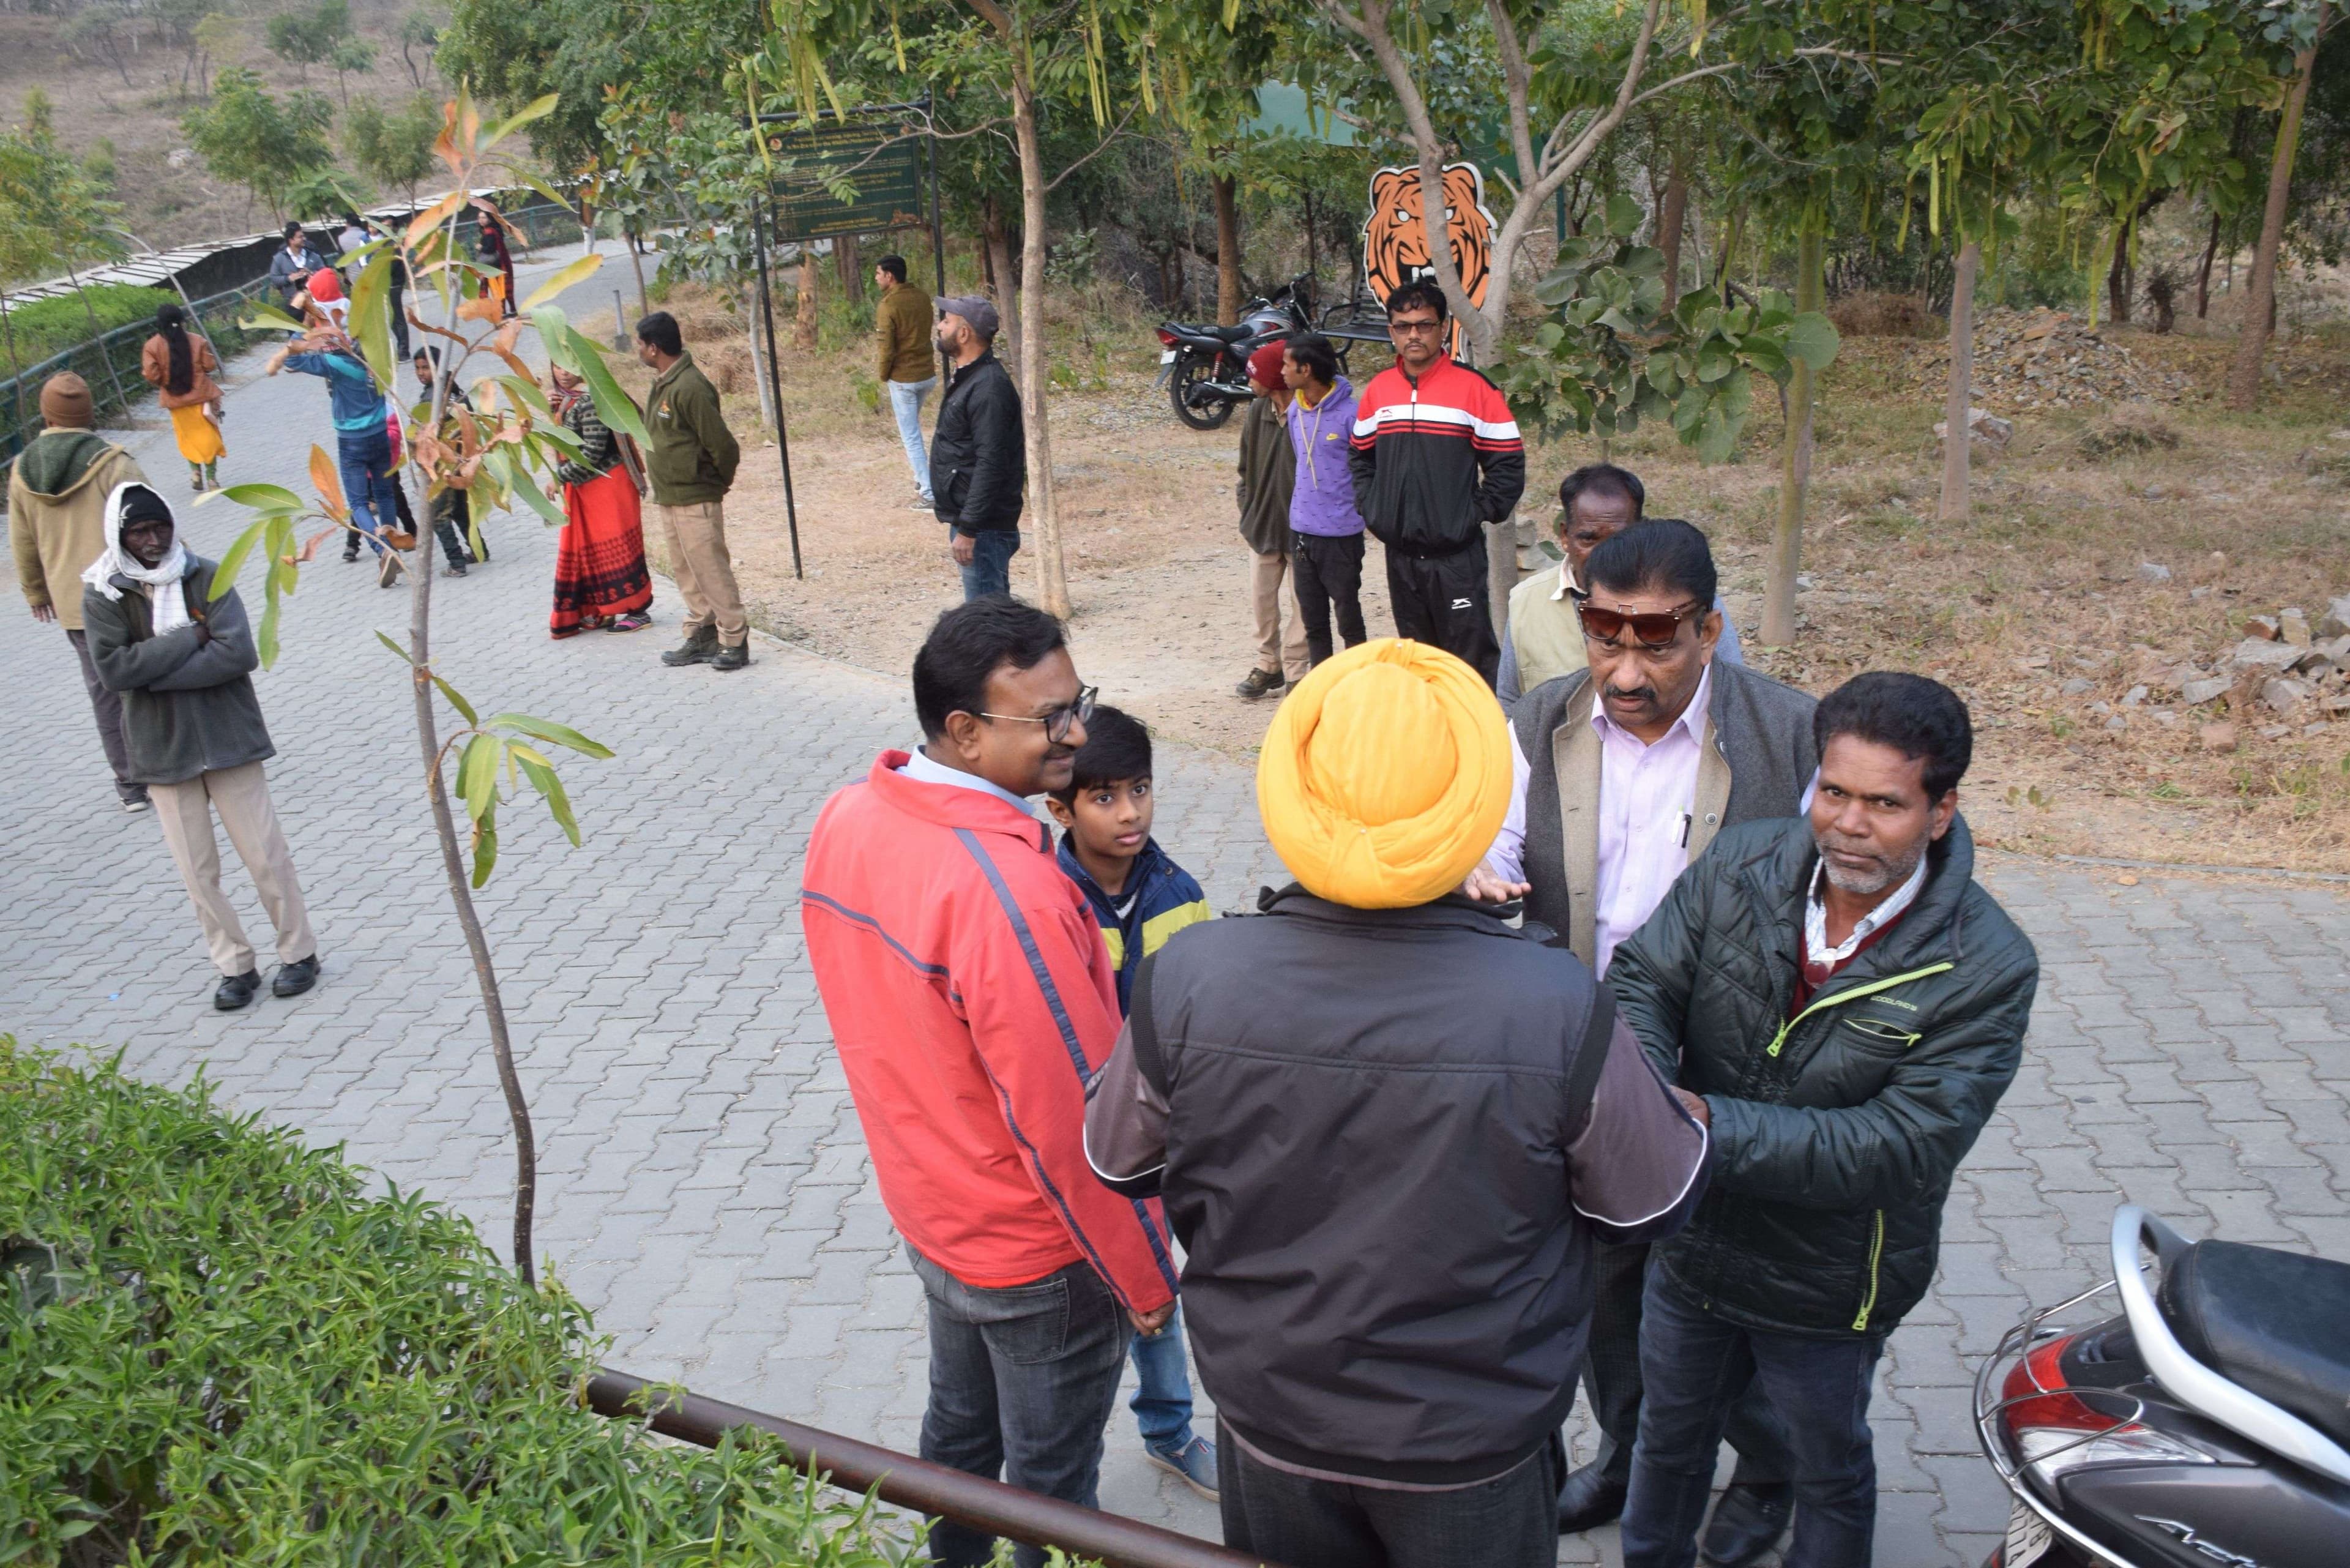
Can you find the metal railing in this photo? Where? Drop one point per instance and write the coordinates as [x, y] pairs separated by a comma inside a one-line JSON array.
[[909, 1482]]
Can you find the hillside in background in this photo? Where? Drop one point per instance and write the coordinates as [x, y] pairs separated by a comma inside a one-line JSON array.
[[119, 83]]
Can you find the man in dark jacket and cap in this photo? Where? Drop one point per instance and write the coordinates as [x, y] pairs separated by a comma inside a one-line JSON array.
[[182, 662], [979, 451], [1388, 1129], [1851, 1004], [1268, 476]]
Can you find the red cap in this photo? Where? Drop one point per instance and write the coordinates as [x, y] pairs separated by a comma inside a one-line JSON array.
[[1264, 366], [325, 285]]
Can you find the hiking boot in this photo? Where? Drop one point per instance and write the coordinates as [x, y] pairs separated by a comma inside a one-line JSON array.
[[1259, 683], [294, 979], [236, 991], [734, 657], [701, 647]]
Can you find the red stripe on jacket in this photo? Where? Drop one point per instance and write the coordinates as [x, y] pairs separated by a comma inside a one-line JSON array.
[[970, 997]]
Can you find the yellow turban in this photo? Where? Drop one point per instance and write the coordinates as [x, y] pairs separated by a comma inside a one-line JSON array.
[[1385, 776]]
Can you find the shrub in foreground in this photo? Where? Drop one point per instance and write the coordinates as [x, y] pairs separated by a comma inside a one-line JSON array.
[[216, 1348]]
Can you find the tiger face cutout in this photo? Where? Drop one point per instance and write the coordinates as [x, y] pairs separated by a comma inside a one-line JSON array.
[[1395, 238]]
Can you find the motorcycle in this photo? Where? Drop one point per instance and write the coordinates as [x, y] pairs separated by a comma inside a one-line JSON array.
[[2204, 1427], [1205, 367]]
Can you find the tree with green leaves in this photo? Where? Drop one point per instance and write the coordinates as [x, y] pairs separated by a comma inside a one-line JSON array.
[[53, 218], [501, 450], [420, 31], [307, 38], [251, 138], [2301, 25], [393, 148], [350, 55]]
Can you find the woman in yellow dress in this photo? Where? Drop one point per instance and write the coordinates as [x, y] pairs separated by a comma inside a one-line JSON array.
[[180, 365]]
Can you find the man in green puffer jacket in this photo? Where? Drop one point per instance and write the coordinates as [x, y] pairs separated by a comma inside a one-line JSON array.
[[1851, 1004]]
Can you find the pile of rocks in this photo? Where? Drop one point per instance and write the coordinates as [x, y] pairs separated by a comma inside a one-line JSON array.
[[2289, 667], [2033, 360]]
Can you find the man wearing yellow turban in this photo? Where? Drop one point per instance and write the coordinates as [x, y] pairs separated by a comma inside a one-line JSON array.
[[1388, 1129]]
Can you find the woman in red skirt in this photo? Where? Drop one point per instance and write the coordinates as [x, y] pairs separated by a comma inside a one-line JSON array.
[[600, 579]]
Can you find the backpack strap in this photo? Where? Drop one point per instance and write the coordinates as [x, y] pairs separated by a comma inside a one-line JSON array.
[[1142, 1029], [1591, 1055]]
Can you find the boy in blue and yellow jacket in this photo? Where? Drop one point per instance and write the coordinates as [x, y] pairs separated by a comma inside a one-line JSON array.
[[1139, 898]]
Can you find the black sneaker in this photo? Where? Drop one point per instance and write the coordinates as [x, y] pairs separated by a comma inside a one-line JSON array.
[[294, 979], [236, 990], [733, 657], [1259, 683]]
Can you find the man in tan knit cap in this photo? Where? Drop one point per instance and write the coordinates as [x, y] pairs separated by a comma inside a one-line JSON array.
[[56, 504]]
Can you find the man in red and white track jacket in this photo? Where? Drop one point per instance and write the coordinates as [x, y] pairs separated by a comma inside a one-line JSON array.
[[971, 998], [1436, 455]]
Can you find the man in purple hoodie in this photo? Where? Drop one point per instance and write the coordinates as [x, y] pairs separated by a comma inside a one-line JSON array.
[[1322, 515]]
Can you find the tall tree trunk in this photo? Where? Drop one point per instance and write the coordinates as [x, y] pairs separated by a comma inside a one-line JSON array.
[[1051, 579], [804, 312], [637, 262], [1671, 221], [1228, 248], [1957, 444], [848, 262], [2117, 283], [2260, 303], [477, 944], [1795, 459], [2203, 273], [1000, 277]]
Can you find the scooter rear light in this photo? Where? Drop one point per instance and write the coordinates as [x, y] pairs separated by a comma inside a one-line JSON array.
[[2054, 1430], [1167, 337]]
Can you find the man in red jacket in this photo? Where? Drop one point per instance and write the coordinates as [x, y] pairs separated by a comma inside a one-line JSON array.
[[1435, 457], [970, 999]]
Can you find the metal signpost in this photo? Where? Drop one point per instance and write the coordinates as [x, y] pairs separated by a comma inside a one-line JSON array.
[[869, 153]]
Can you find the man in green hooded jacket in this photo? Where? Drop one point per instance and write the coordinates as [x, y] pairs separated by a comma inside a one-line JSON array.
[[56, 506]]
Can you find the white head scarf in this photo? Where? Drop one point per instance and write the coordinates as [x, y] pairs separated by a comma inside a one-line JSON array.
[[161, 581]]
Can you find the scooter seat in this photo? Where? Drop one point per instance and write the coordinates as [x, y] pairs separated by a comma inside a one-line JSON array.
[[2277, 1323]]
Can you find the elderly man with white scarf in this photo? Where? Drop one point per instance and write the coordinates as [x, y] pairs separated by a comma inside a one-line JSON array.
[[183, 663]]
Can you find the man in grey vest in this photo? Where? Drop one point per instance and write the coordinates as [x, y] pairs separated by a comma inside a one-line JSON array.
[[1388, 1129], [1628, 770]]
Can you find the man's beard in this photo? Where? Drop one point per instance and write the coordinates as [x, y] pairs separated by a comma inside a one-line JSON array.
[[1887, 874]]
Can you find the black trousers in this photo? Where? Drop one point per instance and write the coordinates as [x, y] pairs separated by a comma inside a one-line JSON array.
[[1329, 577], [1611, 1378], [1441, 600], [1510, 1521]]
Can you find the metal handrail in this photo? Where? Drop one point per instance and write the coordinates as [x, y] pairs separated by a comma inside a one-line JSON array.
[[909, 1482]]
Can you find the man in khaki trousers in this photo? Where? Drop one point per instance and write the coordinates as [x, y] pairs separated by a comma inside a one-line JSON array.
[[691, 460]]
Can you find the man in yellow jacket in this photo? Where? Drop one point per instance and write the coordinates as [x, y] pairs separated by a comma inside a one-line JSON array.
[[904, 364], [57, 505]]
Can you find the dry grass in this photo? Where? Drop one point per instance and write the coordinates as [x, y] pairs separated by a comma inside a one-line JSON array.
[[2040, 588]]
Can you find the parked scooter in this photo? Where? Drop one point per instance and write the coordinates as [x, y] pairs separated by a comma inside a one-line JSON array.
[[2206, 1427], [1205, 367]]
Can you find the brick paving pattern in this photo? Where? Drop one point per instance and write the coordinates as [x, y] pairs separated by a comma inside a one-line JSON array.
[[703, 1184]]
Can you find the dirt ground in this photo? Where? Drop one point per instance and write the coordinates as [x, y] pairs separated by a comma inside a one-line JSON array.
[[2037, 610]]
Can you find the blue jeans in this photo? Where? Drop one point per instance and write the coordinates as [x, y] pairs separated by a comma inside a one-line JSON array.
[[1162, 1404], [365, 460], [906, 402], [1022, 1382], [990, 571], [1693, 1365]]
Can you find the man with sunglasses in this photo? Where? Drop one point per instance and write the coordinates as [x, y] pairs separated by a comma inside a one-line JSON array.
[[1629, 768], [971, 998], [1435, 457]]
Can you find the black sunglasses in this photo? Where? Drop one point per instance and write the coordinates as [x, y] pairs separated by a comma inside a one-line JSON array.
[[1056, 723], [1654, 630]]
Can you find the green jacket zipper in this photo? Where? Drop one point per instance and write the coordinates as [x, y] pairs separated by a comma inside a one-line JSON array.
[[1876, 1256], [1854, 995]]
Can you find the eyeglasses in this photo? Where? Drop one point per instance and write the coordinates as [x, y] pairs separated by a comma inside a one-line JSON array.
[[1056, 723], [1414, 329], [1655, 630]]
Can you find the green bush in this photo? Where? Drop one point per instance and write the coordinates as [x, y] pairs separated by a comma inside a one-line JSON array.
[[216, 1348], [52, 326]]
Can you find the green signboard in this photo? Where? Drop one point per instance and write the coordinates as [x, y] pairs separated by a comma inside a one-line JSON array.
[[813, 162]]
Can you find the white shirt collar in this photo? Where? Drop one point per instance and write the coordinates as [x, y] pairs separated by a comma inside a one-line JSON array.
[[1816, 914], [1565, 584], [923, 769], [1693, 717]]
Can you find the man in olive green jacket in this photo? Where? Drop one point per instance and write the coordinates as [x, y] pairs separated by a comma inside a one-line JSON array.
[[56, 504], [905, 362], [691, 458]]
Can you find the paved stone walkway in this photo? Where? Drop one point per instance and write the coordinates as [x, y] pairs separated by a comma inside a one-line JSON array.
[[703, 1184]]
